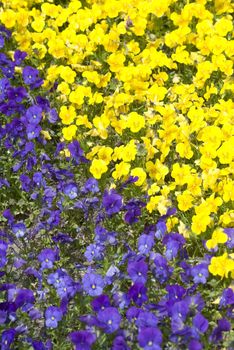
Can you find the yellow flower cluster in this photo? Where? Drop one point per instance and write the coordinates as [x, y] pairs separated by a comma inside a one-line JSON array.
[[149, 86]]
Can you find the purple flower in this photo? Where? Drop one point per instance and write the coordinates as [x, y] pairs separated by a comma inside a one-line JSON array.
[[34, 115], [4, 86], [161, 229], [100, 303], [227, 297], [150, 338], [133, 313], [33, 131], [52, 115], [47, 257], [161, 270], [53, 314], [200, 323], [146, 319], [19, 229], [109, 319], [179, 312], [217, 334], [112, 202], [195, 345], [93, 284], [7, 338], [82, 340], [24, 297], [230, 241], [76, 152], [71, 190], [2, 41], [17, 94], [91, 185], [19, 56], [94, 252], [200, 273], [173, 243], [145, 243], [137, 271], [119, 343], [3, 253], [30, 75], [137, 293]]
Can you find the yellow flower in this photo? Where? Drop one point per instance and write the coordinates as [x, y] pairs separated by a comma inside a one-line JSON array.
[[38, 24], [97, 168], [8, 18], [105, 153], [116, 61], [129, 152], [121, 169], [221, 265], [135, 122], [200, 223], [140, 173], [67, 115], [185, 201], [69, 132], [67, 74]]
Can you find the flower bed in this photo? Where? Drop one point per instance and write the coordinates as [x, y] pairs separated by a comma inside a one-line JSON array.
[[116, 182]]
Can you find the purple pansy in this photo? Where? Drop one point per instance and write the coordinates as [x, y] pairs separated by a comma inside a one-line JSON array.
[[93, 284], [34, 115], [150, 338], [47, 257], [200, 273], [138, 293], [82, 340], [137, 271], [145, 243], [53, 315], [112, 202], [71, 190], [109, 319], [19, 229]]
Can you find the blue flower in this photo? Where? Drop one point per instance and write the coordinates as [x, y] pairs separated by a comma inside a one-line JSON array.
[[33, 131], [19, 56], [93, 284], [30, 75], [53, 314], [7, 338], [162, 271], [145, 243], [119, 343], [200, 323], [200, 273], [137, 293], [227, 297], [34, 115], [173, 243], [112, 202], [94, 252], [47, 257], [137, 271], [230, 234], [71, 190], [109, 319], [19, 229], [82, 340], [91, 185], [100, 303], [4, 86], [150, 338]]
